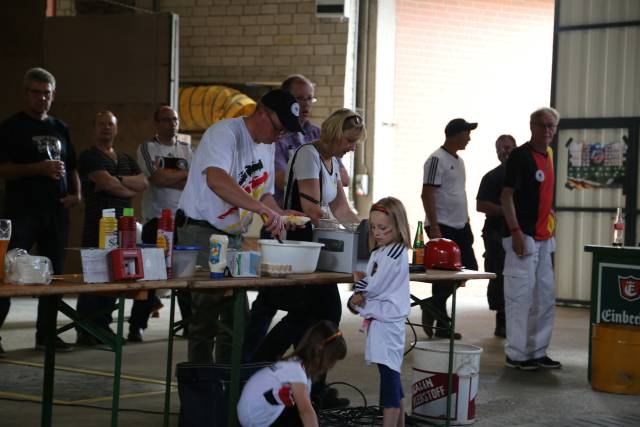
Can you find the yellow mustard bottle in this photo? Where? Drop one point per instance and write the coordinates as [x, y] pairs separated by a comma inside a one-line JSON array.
[[108, 230]]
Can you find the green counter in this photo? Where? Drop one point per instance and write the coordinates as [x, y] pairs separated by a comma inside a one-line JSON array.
[[615, 287]]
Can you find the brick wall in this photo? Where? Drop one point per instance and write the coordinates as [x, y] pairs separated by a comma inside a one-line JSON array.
[[488, 61], [241, 41]]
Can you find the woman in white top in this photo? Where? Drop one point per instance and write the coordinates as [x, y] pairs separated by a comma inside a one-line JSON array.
[[279, 394], [313, 186]]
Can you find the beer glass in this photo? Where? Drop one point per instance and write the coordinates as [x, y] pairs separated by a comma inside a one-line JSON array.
[[54, 152], [5, 236]]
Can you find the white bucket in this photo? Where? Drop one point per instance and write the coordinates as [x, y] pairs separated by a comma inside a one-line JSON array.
[[430, 381]]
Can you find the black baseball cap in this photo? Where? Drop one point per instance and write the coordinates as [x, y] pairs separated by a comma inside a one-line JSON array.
[[456, 126], [286, 107]]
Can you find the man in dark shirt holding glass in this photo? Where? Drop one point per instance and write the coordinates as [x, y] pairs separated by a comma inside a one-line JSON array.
[[38, 164]]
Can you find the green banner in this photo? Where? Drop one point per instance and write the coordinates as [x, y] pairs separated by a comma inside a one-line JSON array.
[[619, 294]]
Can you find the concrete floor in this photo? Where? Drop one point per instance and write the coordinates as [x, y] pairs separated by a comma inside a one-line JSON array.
[[505, 398]]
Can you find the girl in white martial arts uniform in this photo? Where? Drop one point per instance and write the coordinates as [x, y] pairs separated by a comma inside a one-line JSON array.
[[278, 395], [382, 298]]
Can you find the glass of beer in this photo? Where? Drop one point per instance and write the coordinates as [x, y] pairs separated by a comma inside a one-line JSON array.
[[5, 236]]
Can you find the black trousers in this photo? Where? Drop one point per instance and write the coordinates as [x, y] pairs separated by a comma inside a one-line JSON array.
[[494, 263], [441, 291], [141, 309], [304, 306], [48, 231]]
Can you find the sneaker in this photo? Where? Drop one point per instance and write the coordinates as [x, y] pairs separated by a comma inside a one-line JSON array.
[[86, 340], [329, 399], [135, 335], [60, 345], [500, 331], [547, 363], [525, 365], [427, 323]]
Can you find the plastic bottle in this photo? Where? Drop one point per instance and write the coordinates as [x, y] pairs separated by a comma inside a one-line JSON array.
[[418, 246], [217, 255], [108, 230], [164, 238], [127, 229], [618, 228]]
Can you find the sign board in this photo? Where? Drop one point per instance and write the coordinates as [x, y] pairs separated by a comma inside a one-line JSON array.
[[618, 294]]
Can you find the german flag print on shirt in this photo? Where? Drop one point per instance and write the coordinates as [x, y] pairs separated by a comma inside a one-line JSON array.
[[531, 175]]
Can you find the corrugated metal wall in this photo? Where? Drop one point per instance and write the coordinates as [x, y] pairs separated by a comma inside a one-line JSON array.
[[596, 76]]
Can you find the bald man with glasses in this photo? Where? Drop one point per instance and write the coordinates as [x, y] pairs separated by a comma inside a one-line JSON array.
[[303, 90]]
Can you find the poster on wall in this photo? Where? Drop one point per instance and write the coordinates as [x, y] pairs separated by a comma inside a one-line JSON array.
[[594, 165]]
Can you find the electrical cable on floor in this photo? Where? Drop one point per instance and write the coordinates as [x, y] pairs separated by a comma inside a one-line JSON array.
[[415, 337], [82, 405]]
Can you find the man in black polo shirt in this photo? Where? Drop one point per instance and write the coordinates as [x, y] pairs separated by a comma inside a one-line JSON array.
[[529, 292], [488, 202], [38, 164], [110, 179]]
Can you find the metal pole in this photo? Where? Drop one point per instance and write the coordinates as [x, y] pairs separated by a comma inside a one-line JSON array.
[[117, 349], [452, 329], [167, 384], [50, 313], [239, 297]]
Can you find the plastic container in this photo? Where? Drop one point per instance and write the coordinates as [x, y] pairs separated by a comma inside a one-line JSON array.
[[615, 352], [217, 255], [127, 229], [184, 261], [164, 238], [430, 382], [108, 230], [302, 256]]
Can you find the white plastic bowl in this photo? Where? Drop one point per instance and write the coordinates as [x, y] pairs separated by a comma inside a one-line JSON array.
[[301, 256], [183, 260]]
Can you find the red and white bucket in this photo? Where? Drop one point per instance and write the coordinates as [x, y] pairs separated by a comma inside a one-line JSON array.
[[430, 382]]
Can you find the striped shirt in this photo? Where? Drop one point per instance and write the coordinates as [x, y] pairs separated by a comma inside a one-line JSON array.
[[446, 172], [93, 160]]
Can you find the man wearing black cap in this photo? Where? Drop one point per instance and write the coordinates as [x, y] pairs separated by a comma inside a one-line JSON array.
[[445, 204], [231, 178]]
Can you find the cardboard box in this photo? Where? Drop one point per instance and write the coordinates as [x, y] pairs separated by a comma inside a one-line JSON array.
[[95, 264], [243, 263]]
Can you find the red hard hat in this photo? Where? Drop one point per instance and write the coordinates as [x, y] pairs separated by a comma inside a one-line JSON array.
[[442, 254]]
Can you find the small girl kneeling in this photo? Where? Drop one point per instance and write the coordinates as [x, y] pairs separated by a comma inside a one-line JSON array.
[[278, 395]]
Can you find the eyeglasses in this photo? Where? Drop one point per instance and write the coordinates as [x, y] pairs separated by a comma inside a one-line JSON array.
[[547, 125], [279, 130], [46, 93], [169, 120], [307, 100]]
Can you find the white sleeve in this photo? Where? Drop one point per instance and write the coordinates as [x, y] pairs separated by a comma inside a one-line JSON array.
[[432, 171], [146, 154], [388, 270], [218, 147], [307, 164]]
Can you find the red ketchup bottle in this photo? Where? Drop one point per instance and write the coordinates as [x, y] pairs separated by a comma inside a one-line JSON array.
[[164, 238], [127, 229]]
